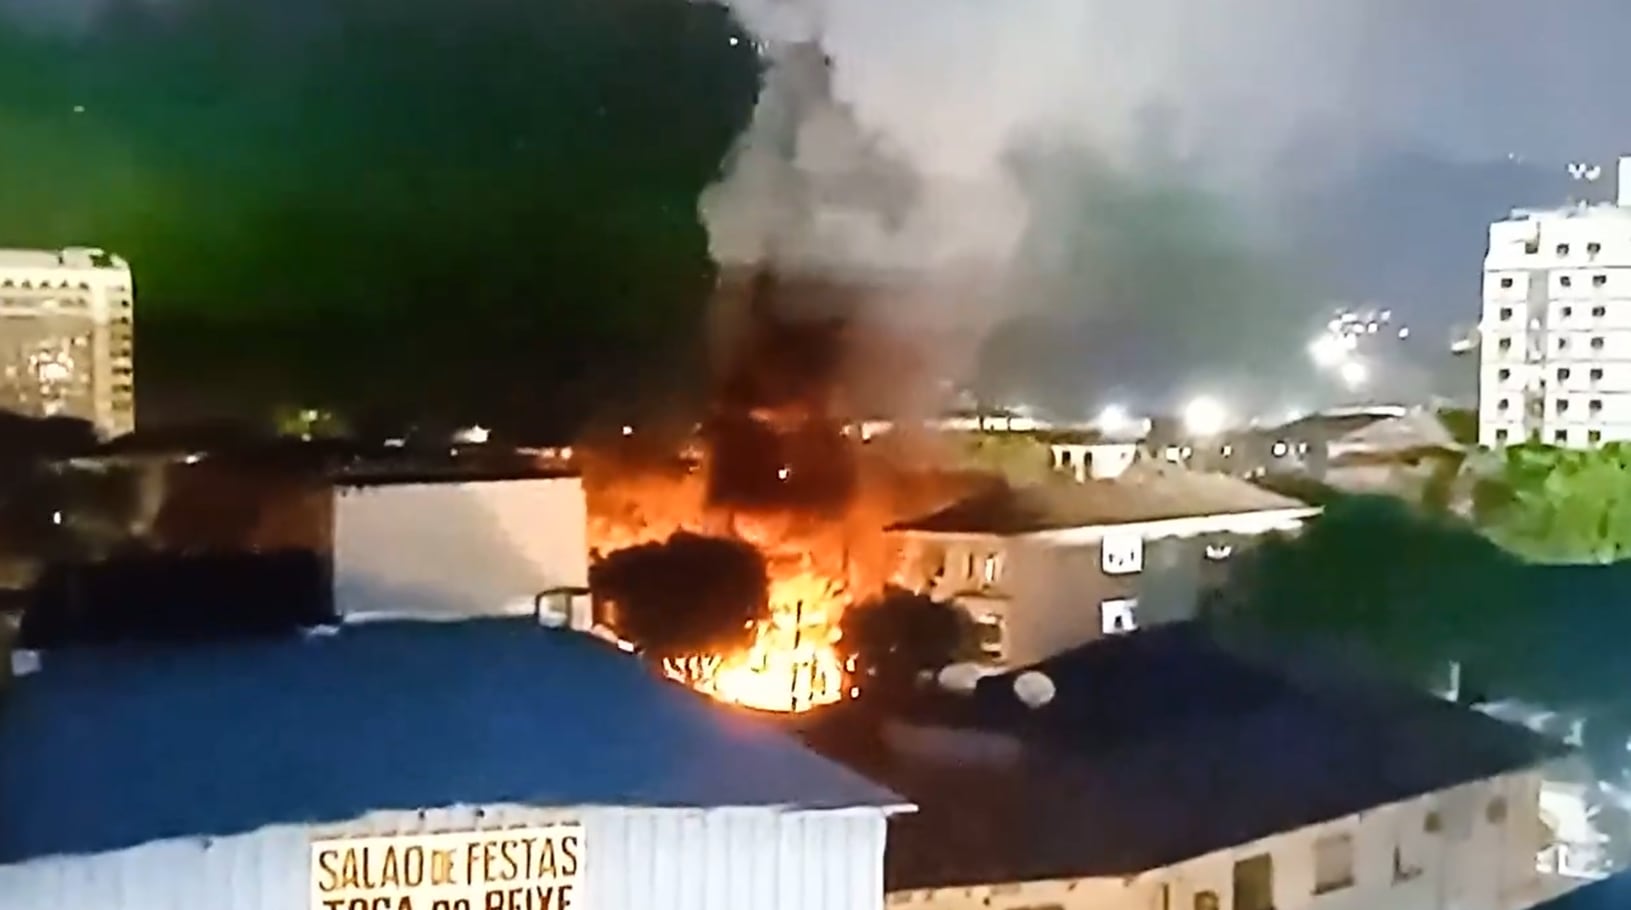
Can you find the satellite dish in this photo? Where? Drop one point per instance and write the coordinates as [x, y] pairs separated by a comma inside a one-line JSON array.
[[960, 678], [1034, 689]]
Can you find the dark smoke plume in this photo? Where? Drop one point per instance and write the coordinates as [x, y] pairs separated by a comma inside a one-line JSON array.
[[686, 595]]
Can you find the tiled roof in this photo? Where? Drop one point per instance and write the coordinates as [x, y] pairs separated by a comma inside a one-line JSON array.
[[1148, 491], [1158, 747]]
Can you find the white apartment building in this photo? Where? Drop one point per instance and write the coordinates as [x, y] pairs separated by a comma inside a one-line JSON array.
[[67, 338], [1555, 365]]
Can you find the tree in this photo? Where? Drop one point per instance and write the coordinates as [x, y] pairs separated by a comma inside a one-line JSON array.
[[685, 595], [902, 633], [1020, 459], [1559, 505]]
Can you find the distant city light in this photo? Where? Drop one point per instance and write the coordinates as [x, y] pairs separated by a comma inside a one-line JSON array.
[[1205, 416], [628, 430], [1354, 374]]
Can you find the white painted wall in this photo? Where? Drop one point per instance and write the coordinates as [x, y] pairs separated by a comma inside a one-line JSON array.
[[633, 859], [1471, 864], [457, 549]]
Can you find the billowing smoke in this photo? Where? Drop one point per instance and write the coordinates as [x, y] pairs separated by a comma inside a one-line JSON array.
[[981, 157]]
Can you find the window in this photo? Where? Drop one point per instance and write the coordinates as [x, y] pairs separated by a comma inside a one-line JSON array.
[[1596, 373], [1566, 281], [1593, 248], [1116, 617], [1594, 437], [1531, 247], [1433, 823], [1597, 344], [1254, 883], [1568, 311], [1505, 405], [1496, 813], [989, 569], [1563, 405], [1206, 900], [1503, 374], [1506, 282], [1599, 311], [1563, 249], [1404, 871], [1599, 281], [1506, 312], [1501, 435], [1563, 344], [1564, 373], [1561, 437], [1333, 863], [1121, 554], [991, 633], [1505, 344], [1595, 405]]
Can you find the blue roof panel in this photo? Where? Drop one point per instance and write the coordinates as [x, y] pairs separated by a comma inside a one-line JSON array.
[[111, 748]]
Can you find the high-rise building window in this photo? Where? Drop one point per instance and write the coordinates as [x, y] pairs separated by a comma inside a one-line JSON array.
[[1561, 437], [1596, 373], [1564, 373], [1506, 312], [1599, 311], [1599, 280], [1563, 405], [1595, 405], [1594, 248], [1506, 404], [1503, 374], [1504, 344], [1566, 281], [1501, 435], [1594, 436], [1506, 282], [1597, 344], [1563, 249]]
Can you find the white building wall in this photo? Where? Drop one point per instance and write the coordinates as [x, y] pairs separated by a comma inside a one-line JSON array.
[[1471, 863], [458, 549], [1556, 327], [633, 859]]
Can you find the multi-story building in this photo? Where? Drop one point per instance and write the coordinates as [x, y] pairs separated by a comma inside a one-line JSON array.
[[67, 339], [1556, 327]]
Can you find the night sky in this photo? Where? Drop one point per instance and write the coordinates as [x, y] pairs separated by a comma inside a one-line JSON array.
[[486, 210], [380, 204]]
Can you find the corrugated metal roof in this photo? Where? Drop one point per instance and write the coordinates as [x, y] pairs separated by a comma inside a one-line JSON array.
[[107, 749]]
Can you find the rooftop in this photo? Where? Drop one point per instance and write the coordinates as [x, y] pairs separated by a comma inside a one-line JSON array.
[[106, 749], [1158, 747], [1148, 491], [1610, 894]]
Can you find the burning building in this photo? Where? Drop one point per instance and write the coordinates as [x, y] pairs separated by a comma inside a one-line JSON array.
[[774, 471]]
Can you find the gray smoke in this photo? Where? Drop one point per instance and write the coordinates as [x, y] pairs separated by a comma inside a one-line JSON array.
[[1022, 141]]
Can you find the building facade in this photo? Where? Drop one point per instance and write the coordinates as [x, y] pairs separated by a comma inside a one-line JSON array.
[[67, 336], [1047, 568], [1555, 361]]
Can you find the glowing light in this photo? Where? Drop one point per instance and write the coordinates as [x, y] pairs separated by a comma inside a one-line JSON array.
[[1205, 416], [1354, 374], [1114, 420], [784, 473], [1329, 349], [628, 430]]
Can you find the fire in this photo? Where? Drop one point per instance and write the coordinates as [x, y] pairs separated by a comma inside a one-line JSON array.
[[793, 663]]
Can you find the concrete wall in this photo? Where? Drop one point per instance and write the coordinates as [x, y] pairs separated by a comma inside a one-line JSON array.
[[452, 549], [1470, 863], [633, 859]]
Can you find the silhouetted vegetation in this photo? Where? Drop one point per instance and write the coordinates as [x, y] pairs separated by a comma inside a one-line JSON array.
[[689, 594], [902, 633], [174, 597]]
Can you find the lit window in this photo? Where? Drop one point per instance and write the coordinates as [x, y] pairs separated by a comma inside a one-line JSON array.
[[1280, 449], [989, 569], [1333, 863], [1206, 900], [1217, 552], [1122, 554], [991, 632], [1117, 617]]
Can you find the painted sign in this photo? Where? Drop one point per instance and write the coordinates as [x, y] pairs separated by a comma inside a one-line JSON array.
[[512, 869]]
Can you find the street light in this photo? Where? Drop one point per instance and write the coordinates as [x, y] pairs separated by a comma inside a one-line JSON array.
[[1205, 416]]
